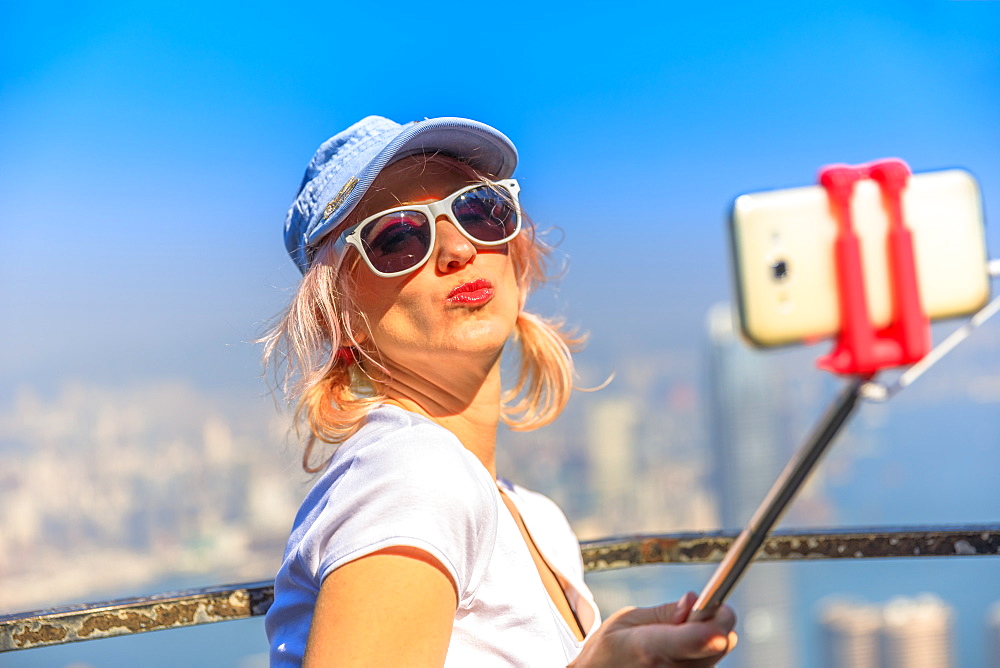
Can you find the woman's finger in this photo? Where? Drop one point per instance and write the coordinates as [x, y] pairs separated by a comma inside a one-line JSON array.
[[668, 613], [691, 640], [725, 618]]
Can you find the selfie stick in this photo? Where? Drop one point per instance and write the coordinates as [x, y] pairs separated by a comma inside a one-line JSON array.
[[745, 547], [860, 351]]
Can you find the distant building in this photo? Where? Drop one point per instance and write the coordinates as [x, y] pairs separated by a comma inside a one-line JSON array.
[[993, 637], [916, 633], [749, 442], [850, 635], [903, 633], [611, 453]]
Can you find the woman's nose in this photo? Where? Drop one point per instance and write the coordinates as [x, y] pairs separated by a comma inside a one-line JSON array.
[[454, 250]]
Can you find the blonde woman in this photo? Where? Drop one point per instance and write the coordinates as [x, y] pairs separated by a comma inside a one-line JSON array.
[[410, 550]]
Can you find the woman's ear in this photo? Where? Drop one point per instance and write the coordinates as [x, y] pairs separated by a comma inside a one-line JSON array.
[[354, 328]]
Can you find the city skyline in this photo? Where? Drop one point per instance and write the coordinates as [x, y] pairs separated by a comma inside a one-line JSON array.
[[658, 412]]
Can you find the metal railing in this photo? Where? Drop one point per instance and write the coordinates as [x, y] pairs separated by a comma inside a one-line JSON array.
[[204, 606]]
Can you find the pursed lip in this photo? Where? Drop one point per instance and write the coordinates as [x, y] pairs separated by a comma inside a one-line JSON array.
[[478, 291]]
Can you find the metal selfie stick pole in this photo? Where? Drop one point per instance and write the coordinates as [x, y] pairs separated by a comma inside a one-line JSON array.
[[782, 492], [784, 489]]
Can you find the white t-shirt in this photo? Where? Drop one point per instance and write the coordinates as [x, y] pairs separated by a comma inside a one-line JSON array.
[[404, 480]]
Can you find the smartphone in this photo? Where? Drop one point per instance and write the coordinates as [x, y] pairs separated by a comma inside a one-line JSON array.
[[783, 257]]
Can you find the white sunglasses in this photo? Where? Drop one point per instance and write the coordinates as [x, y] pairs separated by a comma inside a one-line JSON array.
[[397, 241]]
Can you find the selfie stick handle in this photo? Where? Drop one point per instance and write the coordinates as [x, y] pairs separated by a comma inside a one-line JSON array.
[[767, 514]]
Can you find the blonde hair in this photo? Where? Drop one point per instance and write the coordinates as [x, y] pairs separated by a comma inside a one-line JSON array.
[[333, 394]]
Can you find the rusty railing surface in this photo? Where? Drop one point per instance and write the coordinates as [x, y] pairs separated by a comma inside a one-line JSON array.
[[216, 604]]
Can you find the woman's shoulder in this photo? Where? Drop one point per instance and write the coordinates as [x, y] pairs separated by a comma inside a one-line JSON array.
[[398, 459], [400, 480]]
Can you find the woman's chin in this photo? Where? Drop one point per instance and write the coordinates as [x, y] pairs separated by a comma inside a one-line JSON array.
[[480, 337]]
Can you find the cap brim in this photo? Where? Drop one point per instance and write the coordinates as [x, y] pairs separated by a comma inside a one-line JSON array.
[[483, 147]]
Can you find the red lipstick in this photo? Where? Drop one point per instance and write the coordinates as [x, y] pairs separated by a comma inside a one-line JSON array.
[[473, 293]]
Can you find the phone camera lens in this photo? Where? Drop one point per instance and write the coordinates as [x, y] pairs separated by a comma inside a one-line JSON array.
[[779, 270]]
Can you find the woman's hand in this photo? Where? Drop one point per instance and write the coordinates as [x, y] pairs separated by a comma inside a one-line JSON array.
[[660, 636]]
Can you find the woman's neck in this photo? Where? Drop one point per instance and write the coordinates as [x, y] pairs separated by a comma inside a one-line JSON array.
[[466, 404]]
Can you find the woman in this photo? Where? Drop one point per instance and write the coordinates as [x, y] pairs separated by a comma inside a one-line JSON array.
[[409, 550]]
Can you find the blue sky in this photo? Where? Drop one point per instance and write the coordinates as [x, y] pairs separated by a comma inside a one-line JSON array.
[[148, 151]]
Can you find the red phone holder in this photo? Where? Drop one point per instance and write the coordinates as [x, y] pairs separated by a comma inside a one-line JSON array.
[[860, 349]]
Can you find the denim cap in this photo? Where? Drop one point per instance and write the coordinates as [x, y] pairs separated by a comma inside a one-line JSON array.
[[345, 165]]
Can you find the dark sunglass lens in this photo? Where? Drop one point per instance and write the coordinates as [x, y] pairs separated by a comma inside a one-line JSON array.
[[486, 213], [397, 241]]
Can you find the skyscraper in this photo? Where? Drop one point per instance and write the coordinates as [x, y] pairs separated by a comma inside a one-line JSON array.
[[903, 633], [916, 633], [850, 634], [612, 467], [993, 637], [746, 426]]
